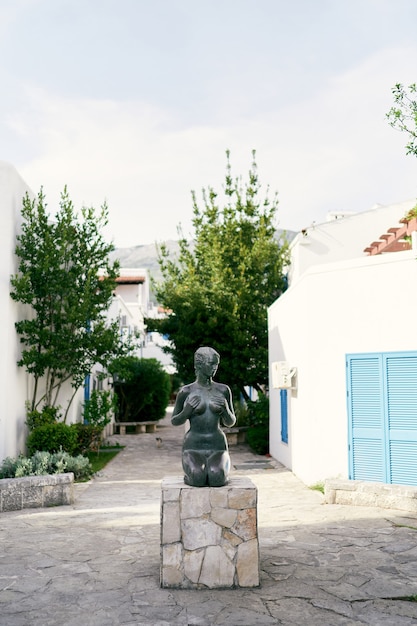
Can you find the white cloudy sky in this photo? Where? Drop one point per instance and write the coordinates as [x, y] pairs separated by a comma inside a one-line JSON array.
[[136, 101]]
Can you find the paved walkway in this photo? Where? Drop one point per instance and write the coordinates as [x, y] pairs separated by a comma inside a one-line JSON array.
[[97, 562]]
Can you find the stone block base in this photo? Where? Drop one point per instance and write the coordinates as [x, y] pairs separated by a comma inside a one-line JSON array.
[[209, 535], [362, 493], [31, 492]]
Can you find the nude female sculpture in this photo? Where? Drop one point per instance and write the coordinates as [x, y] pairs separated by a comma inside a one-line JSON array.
[[206, 404]]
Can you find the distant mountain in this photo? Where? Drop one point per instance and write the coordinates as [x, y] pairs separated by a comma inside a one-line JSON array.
[[146, 256]]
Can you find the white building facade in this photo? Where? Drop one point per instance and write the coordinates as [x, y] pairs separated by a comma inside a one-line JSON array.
[[130, 305], [15, 385], [344, 313]]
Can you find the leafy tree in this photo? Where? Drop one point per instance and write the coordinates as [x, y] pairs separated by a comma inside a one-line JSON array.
[[66, 278], [142, 388], [403, 115], [218, 290]]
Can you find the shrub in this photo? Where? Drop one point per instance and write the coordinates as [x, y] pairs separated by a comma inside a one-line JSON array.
[[53, 438], [142, 387], [258, 439], [241, 412], [42, 463], [79, 465], [258, 420], [48, 415], [99, 408], [88, 437]]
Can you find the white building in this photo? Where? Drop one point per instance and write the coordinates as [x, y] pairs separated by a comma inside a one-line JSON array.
[[130, 305], [15, 385], [345, 330]]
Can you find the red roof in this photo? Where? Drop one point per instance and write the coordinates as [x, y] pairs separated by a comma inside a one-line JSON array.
[[130, 280], [394, 239]]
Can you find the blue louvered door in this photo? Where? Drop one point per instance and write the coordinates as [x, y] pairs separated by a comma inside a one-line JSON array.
[[366, 418], [382, 412], [401, 409]]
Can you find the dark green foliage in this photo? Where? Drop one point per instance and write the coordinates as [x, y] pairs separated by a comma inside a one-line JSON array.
[[48, 415], [99, 408], [257, 435], [218, 290], [258, 439], [142, 387], [53, 438], [88, 437], [67, 280], [258, 411], [48, 433], [176, 383]]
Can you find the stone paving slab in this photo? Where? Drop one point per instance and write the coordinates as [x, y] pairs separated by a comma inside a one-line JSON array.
[[96, 562]]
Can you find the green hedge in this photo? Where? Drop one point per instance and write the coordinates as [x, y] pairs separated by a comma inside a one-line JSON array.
[[88, 437], [53, 438], [142, 387], [257, 435]]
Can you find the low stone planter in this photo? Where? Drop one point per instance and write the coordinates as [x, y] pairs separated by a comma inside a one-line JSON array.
[[361, 493], [32, 492]]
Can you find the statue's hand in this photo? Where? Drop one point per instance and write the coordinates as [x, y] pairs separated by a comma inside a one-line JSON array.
[[218, 404], [193, 403]]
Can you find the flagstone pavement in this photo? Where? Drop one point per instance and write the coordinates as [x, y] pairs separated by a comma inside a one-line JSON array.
[[96, 562]]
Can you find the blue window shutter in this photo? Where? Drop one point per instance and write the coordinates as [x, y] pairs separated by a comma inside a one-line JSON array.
[[401, 407], [284, 414], [367, 457]]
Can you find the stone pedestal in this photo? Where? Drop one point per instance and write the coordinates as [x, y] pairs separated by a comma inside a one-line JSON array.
[[209, 535]]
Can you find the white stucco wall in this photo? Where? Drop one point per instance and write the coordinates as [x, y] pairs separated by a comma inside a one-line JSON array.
[[14, 383], [342, 239], [368, 304]]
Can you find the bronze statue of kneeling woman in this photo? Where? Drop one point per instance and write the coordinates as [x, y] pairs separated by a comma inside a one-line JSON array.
[[206, 404]]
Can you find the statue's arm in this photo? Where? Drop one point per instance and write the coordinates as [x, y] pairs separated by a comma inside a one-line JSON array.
[[181, 413], [229, 417], [224, 406]]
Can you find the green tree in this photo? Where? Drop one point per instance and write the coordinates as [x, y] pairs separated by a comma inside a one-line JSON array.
[[142, 388], [403, 115], [66, 278], [218, 290]]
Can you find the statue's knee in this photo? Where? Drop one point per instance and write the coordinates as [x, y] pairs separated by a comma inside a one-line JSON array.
[[195, 478], [216, 477]]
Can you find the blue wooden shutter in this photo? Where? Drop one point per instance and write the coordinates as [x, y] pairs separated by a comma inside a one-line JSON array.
[[401, 407], [367, 455], [284, 414]]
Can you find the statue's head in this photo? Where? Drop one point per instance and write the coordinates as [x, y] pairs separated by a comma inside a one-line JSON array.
[[205, 355]]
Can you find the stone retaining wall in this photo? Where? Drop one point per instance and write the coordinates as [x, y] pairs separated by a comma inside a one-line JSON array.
[[36, 491], [360, 493]]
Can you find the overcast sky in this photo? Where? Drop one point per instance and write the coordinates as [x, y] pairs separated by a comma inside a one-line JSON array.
[[136, 102]]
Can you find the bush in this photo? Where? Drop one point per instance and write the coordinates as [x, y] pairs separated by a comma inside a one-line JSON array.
[[48, 415], [88, 437], [258, 420], [241, 412], [42, 463], [258, 439], [142, 387], [53, 438], [99, 408]]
